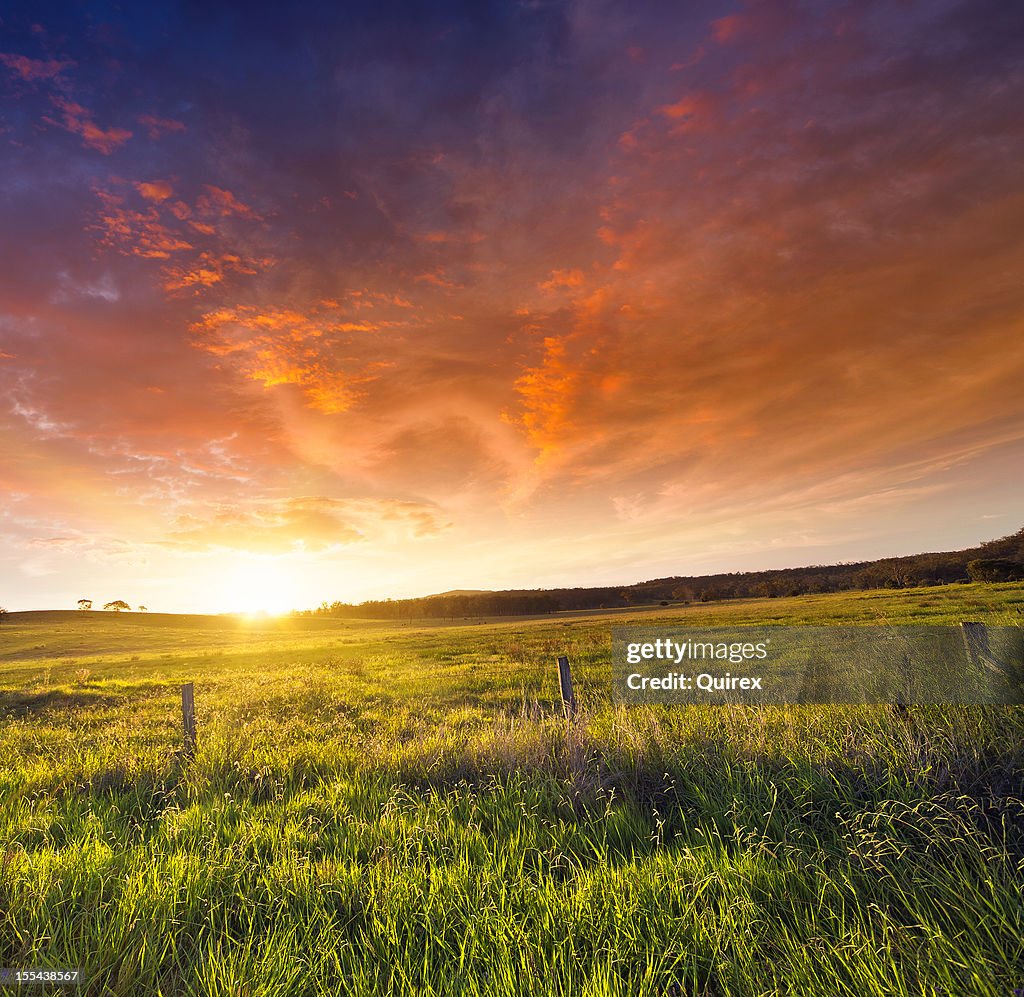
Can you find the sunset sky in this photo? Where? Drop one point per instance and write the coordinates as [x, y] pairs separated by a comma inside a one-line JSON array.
[[325, 301]]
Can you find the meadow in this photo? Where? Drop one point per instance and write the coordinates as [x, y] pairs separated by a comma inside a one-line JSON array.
[[400, 809]]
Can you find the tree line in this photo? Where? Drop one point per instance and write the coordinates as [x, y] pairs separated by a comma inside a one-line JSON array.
[[447, 606], [994, 561]]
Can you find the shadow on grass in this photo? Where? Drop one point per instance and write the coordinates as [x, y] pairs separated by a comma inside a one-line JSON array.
[[13, 704]]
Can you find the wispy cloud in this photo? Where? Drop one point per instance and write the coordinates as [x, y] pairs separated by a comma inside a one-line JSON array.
[[33, 70], [156, 127], [79, 121], [311, 524]]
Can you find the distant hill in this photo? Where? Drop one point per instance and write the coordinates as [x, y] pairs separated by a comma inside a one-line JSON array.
[[995, 560], [180, 621], [127, 618]]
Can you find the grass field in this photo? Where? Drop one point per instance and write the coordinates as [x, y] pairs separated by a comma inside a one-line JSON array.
[[397, 809]]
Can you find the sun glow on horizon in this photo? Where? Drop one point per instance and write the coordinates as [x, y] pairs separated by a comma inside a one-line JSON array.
[[258, 586]]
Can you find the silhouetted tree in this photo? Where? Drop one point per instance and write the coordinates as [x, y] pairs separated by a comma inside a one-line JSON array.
[[85, 604], [117, 605], [142, 609]]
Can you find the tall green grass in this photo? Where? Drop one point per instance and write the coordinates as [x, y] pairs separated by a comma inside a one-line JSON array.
[[401, 810]]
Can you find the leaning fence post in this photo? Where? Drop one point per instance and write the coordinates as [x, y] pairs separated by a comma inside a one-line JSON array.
[[976, 643], [900, 704], [565, 687], [188, 719]]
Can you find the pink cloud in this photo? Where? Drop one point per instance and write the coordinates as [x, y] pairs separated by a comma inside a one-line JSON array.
[[725, 29], [79, 121], [33, 70], [156, 127], [692, 112]]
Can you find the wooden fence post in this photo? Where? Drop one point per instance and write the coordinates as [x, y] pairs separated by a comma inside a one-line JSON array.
[[1004, 674], [565, 687], [188, 718], [976, 643]]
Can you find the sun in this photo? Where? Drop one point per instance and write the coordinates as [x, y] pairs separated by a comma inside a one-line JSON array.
[[258, 586]]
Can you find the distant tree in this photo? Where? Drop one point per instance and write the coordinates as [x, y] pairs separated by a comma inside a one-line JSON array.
[[85, 604], [899, 575], [142, 609], [871, 577], [3, 614], [994, 569], [117, 605]]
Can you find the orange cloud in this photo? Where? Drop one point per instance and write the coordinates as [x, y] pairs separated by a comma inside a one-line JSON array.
[[327, 391], [136, 233], [179, 278], [440, 237], [221, 202], [437, 278], [164, 228], [210, 269], [155, 190], [237, 323], [548, 395], [562, 278], [78, 120], [282, 346], [372, 299]]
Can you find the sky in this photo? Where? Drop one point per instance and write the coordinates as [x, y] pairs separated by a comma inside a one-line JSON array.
[[349, 301]]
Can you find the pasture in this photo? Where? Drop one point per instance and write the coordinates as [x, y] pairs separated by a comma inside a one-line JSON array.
[[398, 809]]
